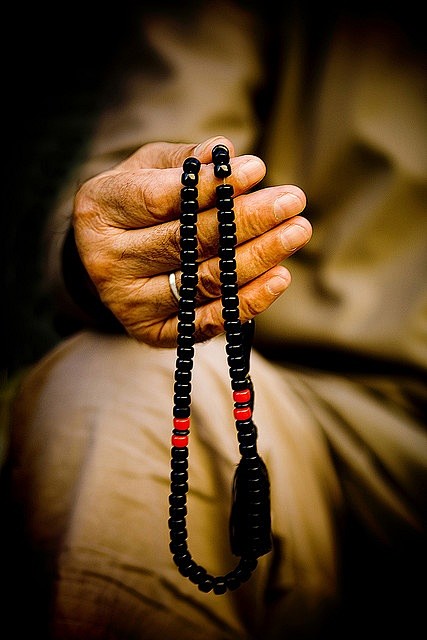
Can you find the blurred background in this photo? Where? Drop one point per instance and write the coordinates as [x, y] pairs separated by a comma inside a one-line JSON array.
[[54, 63]]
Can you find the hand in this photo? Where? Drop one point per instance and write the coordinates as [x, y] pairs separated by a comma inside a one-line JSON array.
[[126, 224]]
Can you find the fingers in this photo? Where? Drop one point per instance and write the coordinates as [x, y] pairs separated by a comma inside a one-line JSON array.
[[254, 298], [132, 198], [127, 232], [255, 214], [256, 257], [257, 270]]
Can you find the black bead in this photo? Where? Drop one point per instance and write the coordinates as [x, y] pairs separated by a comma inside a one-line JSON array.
[[183, 558], [186, 305], [178, 548], [233, 326], [243, 573], [229, 301], [197, 574], [178, 536], [183, 376], [220, 153], [186, 328], [182, 400], [234, 349], [227, 255], [238, 376], [228, 241], [189, 219], [245, 438], [178, 512], [184, 365], [179, 474], [225, 216], [222, 170], [189, 211], [192, 164], [186, 315], [181, 412], [225, 205], [182, 388], [228, 277], [176, 525], [187, 292], [189, 280], [236, 362], [207, 584], [230, 314], [235, 338], [179, 465], [189, 193], [185, 352], [227, 260], [179, 488], [238, 385], [249, 562], [188, 268], [189, 255], [188, 230], [219, 586], [177, 501], [247, 449], [244, 425], [227, 228], [189, 179], [188, 242], [185, 567], [224, 191], [179, 456], [229, 289], [232, 581]]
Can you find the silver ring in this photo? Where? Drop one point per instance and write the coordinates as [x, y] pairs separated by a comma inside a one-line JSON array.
[[173, 287]]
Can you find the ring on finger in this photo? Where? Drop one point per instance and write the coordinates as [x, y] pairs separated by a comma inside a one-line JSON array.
[[172, 285]]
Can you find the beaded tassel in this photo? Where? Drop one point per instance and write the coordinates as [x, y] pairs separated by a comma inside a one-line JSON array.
[[250, 533]]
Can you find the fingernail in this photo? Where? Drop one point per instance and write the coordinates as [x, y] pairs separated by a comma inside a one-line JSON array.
[[251, 171], [277, 285], [287, 205], [294, 236]]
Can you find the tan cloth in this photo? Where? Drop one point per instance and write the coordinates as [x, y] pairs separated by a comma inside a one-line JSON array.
[[93, 426], [93, 421]]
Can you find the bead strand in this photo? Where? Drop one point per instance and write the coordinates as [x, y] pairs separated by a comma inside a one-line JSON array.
[[238, 362]]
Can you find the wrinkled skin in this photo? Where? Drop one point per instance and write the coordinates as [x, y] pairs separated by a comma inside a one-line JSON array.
[[126, 223]]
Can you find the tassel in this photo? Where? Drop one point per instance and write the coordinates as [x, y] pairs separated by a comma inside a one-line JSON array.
[[250, 520]]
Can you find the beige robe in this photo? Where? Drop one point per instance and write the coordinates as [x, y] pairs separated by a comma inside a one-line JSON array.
[[92, 424]]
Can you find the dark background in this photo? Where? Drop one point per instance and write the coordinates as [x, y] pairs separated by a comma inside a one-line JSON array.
[[54, 66]]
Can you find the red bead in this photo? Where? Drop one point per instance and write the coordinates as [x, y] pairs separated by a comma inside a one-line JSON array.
[[182, 424], [179, 441], [242, 396], [242, 413]]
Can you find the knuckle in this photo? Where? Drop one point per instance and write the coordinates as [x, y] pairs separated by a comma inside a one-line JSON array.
[[208, 325], [207, 285], [174, 242], [251, 307]]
